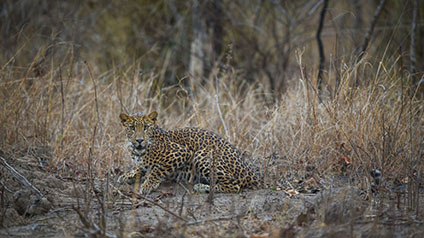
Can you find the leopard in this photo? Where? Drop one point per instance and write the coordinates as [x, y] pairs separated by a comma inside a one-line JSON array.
[[192, 155]]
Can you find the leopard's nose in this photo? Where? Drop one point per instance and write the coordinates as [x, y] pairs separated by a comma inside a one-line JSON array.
[[139, 140]]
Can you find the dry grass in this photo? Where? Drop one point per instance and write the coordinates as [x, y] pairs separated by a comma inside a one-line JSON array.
[[378, 125], [72, 110]]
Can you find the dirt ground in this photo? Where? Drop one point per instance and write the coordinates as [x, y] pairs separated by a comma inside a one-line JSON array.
[[75, 207]]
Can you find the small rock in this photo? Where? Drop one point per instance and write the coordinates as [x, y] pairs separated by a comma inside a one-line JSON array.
[[22, 200], [27, 204]]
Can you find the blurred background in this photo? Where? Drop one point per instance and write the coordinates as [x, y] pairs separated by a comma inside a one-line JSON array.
[[176, 39]]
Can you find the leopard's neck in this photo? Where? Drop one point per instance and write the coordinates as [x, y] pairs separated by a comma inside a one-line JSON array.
[[137, 154]]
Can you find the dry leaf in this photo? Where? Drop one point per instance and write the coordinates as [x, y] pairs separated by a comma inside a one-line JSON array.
[[291, 192], [265, 235], [346, 159]]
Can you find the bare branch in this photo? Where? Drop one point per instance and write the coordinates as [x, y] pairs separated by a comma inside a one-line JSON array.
[[137, 195], [214, 219], [62, 124], [91, 228], [219, 109], [20, 177], [99, 122], [313, 9], [365, 42], [212, 174], [162, 207], [412, 56]]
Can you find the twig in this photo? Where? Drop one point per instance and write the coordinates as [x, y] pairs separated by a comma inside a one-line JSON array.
[[313, 9], [62, 124], [412, 57], [365, 42], [5, 187], [163, 208], [219, 109], [93, 228], [84, 221], [156, 204], [99, 122], [320, 46], [212, 175], [20, 177], [97, 108], [193, 101], [182, 204], [214, 219]]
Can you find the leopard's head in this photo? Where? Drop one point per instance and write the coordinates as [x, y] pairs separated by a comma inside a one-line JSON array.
[[137, 127]]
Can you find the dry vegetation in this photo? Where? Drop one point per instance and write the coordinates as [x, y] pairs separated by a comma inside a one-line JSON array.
[[61, 111]]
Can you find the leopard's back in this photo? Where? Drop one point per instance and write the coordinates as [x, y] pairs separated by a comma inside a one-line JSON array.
[[229, 161]]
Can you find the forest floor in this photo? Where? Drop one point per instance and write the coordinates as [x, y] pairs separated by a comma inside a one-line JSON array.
[[74, 207]]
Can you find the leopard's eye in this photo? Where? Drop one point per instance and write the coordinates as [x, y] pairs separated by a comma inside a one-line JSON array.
[[132, 128]]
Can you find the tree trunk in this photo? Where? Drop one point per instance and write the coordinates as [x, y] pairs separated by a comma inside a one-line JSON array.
[[320, 46], [206, 45]]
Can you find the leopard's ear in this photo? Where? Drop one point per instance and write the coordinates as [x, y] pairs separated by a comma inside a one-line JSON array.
[[153, 117], [124, 117]]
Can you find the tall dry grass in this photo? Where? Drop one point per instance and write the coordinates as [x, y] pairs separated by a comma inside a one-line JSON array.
[[71, 109]]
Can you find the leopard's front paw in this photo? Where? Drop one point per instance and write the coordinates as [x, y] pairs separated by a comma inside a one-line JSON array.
[[145, 189], [127, 179], [132, 177], [201, 188], [123, 179]]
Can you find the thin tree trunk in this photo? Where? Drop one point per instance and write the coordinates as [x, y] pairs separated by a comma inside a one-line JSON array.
[[206, 45], [359, 52], [197, 52], [358, 21], [320, 46]]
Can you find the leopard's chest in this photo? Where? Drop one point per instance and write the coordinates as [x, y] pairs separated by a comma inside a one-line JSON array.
[[141, 155], [148, 157], [145, 155], [138, 155]]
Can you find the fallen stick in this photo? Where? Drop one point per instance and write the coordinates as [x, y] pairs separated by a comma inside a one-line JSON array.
[[213, 219], [138, 196], [20, 177]]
